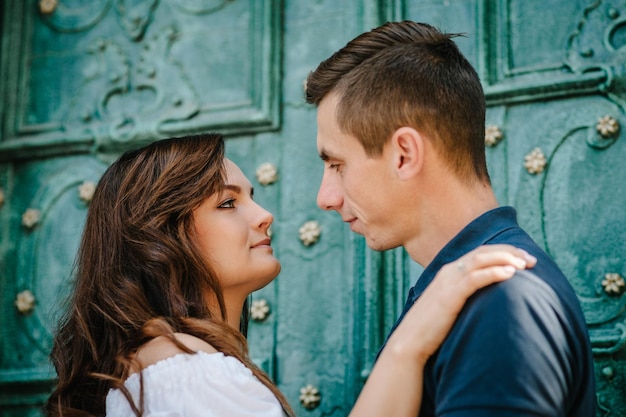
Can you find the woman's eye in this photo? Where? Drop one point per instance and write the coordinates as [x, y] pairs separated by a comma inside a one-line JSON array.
[[230, 203]]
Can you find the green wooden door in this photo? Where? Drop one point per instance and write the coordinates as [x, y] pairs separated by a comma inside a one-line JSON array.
[[83, 80]]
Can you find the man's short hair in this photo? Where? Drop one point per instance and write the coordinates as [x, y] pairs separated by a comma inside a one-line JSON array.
[[407, 74]]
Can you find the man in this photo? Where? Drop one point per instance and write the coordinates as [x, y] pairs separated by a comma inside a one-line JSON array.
[[401, 124]]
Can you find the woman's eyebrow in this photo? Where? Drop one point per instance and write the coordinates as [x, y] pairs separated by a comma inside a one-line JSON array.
[[233, 187], [238, 189]]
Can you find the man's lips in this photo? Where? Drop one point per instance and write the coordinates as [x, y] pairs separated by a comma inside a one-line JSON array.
[[351, 222]]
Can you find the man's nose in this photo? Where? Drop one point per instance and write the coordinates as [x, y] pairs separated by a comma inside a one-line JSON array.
[[329, 196]]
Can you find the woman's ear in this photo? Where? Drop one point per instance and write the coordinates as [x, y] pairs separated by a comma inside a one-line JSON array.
[[407, 146]]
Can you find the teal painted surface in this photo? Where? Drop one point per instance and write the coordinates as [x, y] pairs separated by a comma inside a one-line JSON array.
[[90, 80]]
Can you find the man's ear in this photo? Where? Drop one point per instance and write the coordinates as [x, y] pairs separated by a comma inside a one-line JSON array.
[[407, 146]]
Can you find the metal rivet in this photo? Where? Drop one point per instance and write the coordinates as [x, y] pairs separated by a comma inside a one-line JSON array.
[[25, 302], [259, 310], [310, 397], [266, 174], [535, 162], [86, 191], [1, 197], [30, 218], [608, 372], [613, 13], [613, 283], [310, 232], [493, 135], [607, 127], [48, 7]]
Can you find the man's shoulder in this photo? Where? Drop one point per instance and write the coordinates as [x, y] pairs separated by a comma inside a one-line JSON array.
[[527, 293]]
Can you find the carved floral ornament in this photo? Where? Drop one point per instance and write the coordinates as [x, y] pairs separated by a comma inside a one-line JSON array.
[[535, 162], [310, 232], [47, 7], [31, 218], [86, 191], [259, 310], [267, 173], [25, 302], [310, 397], [493, 135], [613, 283], [607, 127]]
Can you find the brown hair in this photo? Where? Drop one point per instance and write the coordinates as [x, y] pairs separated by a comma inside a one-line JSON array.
[[140, 275], [407, 74]]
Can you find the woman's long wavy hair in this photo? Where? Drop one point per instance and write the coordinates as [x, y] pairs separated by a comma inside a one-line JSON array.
[[139, 274]]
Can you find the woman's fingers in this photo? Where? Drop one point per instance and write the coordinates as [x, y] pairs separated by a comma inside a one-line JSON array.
[[476, 269], [491, 255]]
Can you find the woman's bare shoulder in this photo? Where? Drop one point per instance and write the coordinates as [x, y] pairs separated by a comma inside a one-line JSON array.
[[162, 347]]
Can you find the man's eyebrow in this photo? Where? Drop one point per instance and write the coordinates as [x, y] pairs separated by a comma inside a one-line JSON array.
[[324, 156]]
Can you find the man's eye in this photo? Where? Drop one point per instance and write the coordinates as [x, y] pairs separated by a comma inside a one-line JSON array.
[[230, 203], [334, 167]]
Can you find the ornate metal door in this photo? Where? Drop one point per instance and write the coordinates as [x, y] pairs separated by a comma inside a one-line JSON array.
[[83, 80]]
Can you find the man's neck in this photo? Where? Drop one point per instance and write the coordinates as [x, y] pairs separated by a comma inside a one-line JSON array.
[[454, 207]]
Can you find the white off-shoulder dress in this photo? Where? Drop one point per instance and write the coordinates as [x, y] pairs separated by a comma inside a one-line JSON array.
[[200, 384]]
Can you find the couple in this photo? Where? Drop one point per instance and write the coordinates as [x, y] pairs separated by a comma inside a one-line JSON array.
[[174, 243]]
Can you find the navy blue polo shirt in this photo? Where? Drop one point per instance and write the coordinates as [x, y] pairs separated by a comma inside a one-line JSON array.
[[519, 347]]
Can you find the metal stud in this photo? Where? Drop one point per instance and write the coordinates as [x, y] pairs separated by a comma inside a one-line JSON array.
[[25, 302], [535, 162], [31, 218], [86, 191], [493, 135], [613, 283], [259, 310], [607, 127], [310, 232], [266, 174], [310, 397]]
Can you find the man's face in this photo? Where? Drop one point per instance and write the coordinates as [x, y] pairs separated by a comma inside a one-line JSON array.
[[359, 187]]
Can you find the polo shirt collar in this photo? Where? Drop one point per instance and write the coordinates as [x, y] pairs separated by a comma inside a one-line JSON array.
[[479, 232]]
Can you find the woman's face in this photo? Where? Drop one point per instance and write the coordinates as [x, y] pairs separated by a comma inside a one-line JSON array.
[[231, 231]]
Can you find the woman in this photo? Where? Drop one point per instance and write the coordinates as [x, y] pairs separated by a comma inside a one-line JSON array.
[[173, 245]]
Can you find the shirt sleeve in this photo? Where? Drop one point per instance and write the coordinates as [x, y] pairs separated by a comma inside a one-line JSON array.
[[194, 385], [509, 354]]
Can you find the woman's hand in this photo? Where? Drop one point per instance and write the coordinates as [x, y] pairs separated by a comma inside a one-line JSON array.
[[428, 322]]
